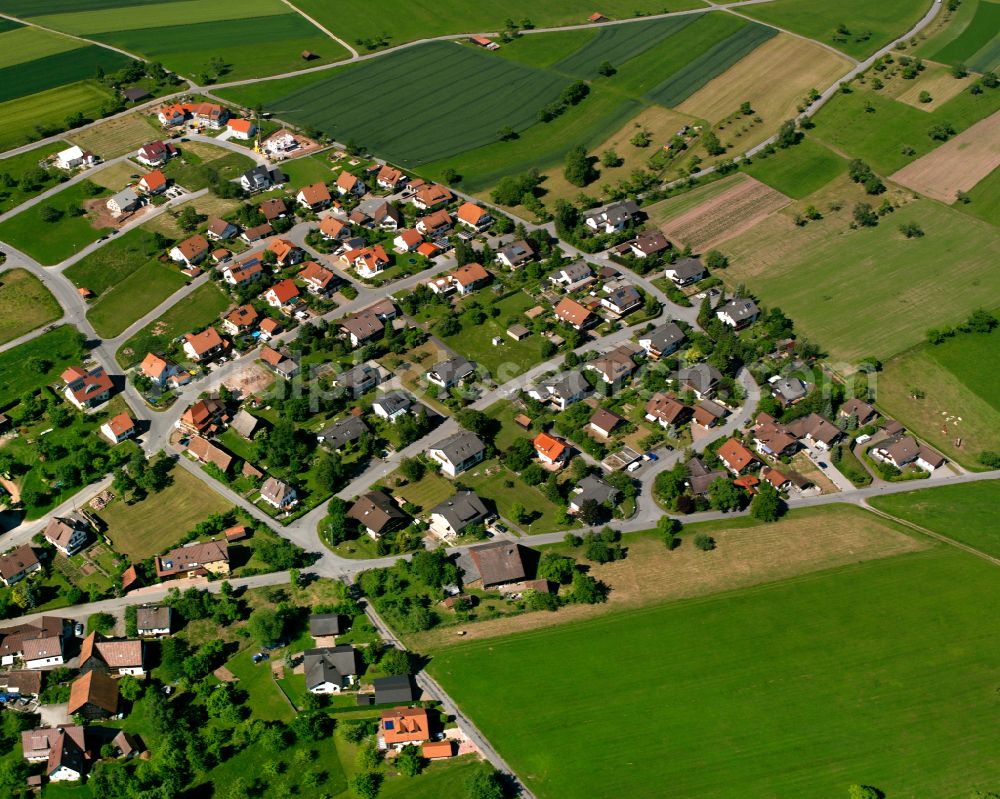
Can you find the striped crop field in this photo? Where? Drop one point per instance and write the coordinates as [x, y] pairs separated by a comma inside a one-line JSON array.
[[23, 44], [56, 70], [710, 64], [423, 103], [978, 45], [617, 44]]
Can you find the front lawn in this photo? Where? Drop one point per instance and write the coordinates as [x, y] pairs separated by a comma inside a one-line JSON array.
[[24, 304], [38, 362], [57, 228], [158, 522]]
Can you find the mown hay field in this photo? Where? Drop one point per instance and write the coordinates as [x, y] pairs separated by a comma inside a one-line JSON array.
[[803, 65], [58, 69], [434, 101], [800, 170], [794, 689], [116, 136], [25, 304], [868, 291], [957, 165], [23, 116], [709, 64], [20, 44], [735, 210]]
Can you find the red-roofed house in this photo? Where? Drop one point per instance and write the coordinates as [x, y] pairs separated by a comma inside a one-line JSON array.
[[435, 224], [153, 182], [736, 457], [204, 345], [286, 252], [155, 153], [243, 272], [367, 262], [240, 320], [473, 216], [429, 250], [190, 251], [389, 178], [550, 450], [469, 277], [407, 240], [350, 184], [241, 128], [314, 197], [431, 196], [86, 389], [574, 314], [118, 428], [317, 279], [171, 115], [331, 228], [211, 115], [156, 369], [281, 293]]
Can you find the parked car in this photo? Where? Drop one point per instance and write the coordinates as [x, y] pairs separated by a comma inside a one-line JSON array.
[[634, 466]]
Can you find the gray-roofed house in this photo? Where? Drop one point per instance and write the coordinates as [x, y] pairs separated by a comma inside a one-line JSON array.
[[685, 271], [515, 254], [260, 178], [662, 340], [325, 625], [700, 477], [340, 434], [499, 563], [562, 390], [455, 514], [623, 300], [859, 409], [788, 390], [573, 276], [450, 372], [122, 202], [154, 620], [700, 378], [738, 313], [457, 452], [377, 513], [400, 689], [331, 669], [278, 494], [613, 217], [391, 405], [592, 488], [614, 367], [822, 433], [359, 379]]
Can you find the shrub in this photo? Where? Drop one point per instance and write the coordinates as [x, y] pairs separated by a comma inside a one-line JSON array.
[[704, 542]]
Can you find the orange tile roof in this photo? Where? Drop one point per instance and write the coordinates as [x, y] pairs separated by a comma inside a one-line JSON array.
[[470, 273], [284, 291], [95, 688], [153, 365], [315, 194], [282, 248], [404, 725], [204, 341], [471, 213], [346, 181], [331, 227], [549, 446], [154, 180], [315, 274], [428, 250], [240, 125], [572, 312], [735, 455], [410, 237], [193, 247], [120, 424]]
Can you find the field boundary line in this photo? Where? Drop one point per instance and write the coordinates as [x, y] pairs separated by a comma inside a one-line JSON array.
[[930, 533], [106, 46], [778, 28], [327, 31]]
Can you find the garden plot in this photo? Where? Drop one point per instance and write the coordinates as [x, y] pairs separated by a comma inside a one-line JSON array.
[[734, 211]]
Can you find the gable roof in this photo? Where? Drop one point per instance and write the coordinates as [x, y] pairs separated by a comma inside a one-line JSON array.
[[284, 291], [471, 213], [376, 511], [205, 341], [192, 556], [549, 446], [594, 488], [459, 447], [207, 452], [499, 562], [17, 561], [93, 688], [461, 509], [115, 654], [735, 455], [325, 624], [342, 432], [469, 274], [315, 194], [571, 312], [153, 366]]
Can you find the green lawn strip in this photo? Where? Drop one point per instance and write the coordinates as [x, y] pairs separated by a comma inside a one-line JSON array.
[[800, 170], [134, 297], [440, 780], [90, 17], [843, 289], [56, 350], [964, 356], [882, 21], [158, 522], [984, 199], [616, 44], [25, 304], [402, 21], [26, 116], [504, 412], [880, 136], [266, 699], [108, 266], [957, 22], [590, 123], [489, 479], [19, 44], [432, 489], [57, 69], [739, 676], [9, 25], [438, 99], [308, 170], [52, 242], [252, 45], [988, 57], [980, 32], [710, 64], [964, 512], [17, 165], [647, 70], [199, 308], [544, 50]]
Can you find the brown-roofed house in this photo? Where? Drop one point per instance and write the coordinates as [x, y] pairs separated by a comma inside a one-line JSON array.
[[67, 533], [193, 560], [241, 320], [18, 564], [154, 620], [498, 563], [116, 657], [377, 513], [666, 411], [207, 452], [94, 696], [273, 209], [735, 456], [190, 251], [574, 314]]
